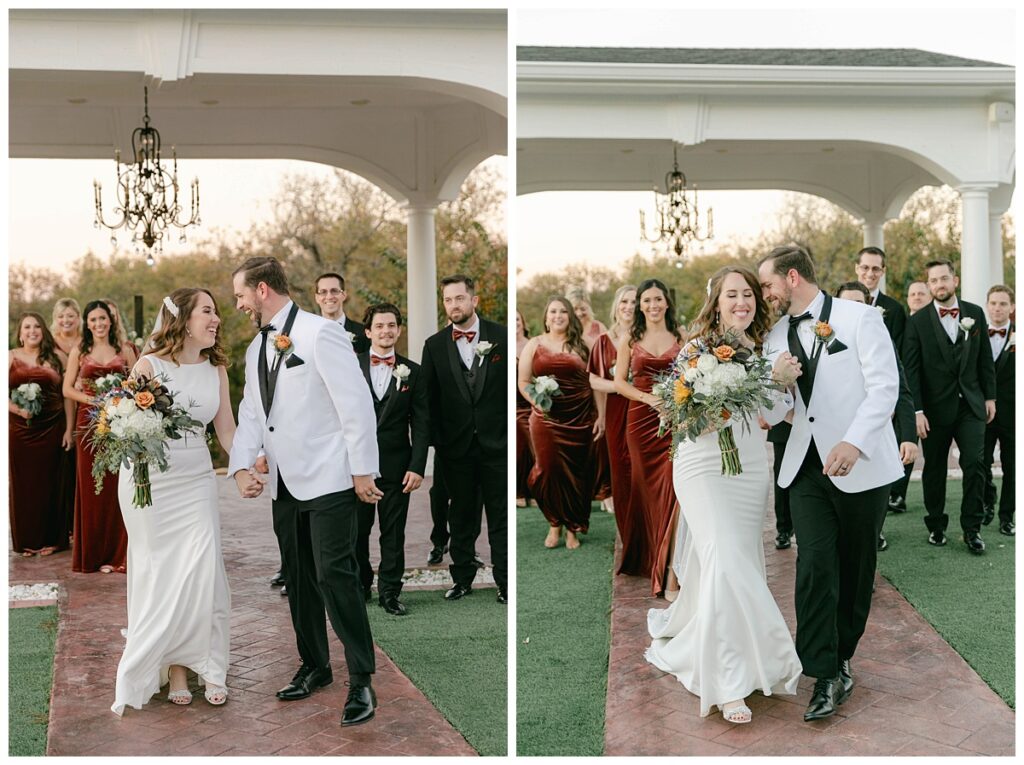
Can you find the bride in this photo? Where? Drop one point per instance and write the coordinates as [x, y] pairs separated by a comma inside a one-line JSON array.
[[724, 636], [178, 599]]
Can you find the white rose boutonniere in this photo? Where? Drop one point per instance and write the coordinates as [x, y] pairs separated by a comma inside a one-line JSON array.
[[483, 348], [401, 373], [351, 337], [880, 310], [967, 324]]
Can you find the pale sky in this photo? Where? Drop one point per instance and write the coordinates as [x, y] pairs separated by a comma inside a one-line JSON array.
[[554, 229]]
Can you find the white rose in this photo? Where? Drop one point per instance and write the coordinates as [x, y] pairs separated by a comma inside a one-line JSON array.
[[483, 348], [692, 374], [707, 363], [401, 372], [125, 407], [966, 323], [880, 310]]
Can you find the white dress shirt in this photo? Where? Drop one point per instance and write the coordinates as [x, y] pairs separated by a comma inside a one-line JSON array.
[[949, 322], [467, 348], [998, 342], [380, 375]]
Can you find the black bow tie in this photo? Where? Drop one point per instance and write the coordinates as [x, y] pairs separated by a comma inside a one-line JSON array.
[[794, 320], [268, 328]]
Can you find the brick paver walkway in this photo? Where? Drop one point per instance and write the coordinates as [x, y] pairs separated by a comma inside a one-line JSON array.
[[914, 695], [263, 658]]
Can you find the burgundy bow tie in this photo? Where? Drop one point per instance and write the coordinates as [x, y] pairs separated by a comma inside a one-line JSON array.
[[1000, 332], [457, 333], [375, 360], [944, 312]]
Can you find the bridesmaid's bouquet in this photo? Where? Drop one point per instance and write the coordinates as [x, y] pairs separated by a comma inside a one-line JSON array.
[[542, 389], [29, 397], [132, 421], [714, 380]]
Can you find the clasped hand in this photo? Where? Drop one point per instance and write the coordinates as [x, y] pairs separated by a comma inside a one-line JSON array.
[[787, 368]]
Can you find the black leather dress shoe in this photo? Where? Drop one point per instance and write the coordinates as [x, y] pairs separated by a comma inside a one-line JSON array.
[[974, 543], [367, 594], [846, 678], [360, 705], [782, 540], [990, 513], [277, 580], [1007, 529], [937, 538], [391, 604], [882, 544], [306, 680], [897, 505], [458, 591], [502, 596], [437, 555], [283, 591], [477, 560], [828, 694]]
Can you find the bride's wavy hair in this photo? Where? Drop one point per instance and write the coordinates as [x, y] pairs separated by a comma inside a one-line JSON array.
[[708, 320], [169, 340], [574, 334]]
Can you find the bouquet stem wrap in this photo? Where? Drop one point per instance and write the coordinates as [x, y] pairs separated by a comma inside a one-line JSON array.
[[730, 452], [143, 491]]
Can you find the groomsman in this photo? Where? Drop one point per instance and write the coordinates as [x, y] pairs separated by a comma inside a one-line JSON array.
[[1000, 305], [466, 368], [949, 367], [870, 269], [329, 291], [403, 436]]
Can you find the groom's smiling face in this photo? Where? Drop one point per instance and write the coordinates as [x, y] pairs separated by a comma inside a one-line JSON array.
[[248, 300]]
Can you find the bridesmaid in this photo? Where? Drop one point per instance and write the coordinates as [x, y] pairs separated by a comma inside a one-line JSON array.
[[629, 517], [524, 451], [563, 448], [651, 347], [592, 328], [100, 541], [120, 326], [66, 325], [36, 444]]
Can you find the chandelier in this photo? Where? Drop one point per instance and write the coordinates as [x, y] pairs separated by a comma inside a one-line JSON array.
[[678, 214], [147, 193]]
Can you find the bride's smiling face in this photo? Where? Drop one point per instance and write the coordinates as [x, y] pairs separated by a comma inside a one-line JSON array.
[[736, 303], [203, 322]]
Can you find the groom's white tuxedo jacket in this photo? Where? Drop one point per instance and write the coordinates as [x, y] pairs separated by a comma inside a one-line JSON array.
[[321, 429], [853, 399]]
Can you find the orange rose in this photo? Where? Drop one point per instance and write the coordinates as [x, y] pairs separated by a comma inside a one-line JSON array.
[[682, 392], [823, 330], [282, 343], [692, 363], [144, 399], [115, 400], [725, 414], [724, 352]]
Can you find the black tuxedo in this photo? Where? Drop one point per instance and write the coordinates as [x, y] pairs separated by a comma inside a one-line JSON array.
[[950, 383], [360, 342], [1001, 430], [895, 318], [403, 436], [469, 430]]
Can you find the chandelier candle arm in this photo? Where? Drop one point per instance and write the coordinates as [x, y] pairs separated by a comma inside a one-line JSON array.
[[678, 221]]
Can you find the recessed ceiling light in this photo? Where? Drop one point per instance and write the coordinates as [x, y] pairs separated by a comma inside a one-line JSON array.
[[210, 102], [721, 151], [828, 149], [627, 151], [360, 102], [77, 100]]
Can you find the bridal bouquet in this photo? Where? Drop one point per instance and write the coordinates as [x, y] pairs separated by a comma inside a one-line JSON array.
[[714, 380], [132, 422], [27, 396], [542, 389]]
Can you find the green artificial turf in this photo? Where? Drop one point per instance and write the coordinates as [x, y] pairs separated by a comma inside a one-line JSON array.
[[456, 654], [564, 631], [968, 599], [32, 633]]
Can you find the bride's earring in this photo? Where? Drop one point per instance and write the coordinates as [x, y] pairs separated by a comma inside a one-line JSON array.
[[187, 332], [718, 318]]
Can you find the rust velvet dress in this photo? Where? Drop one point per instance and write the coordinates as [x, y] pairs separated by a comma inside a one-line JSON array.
[[562, 478], [629, 517], [524, 450], [38, 517], [100, 536], [653, 493]]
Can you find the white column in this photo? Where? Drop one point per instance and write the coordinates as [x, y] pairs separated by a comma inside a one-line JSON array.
[[421, 279], [974, 249], [874, 236], [995, 248]]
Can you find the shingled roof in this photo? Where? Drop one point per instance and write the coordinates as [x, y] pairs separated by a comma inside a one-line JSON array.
[[894, 57]]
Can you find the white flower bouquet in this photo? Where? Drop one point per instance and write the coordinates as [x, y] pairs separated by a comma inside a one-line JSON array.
[[542, 390], [29, 397]]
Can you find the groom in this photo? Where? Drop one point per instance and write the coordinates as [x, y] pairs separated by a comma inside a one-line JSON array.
[[306, 405], [843, 413]]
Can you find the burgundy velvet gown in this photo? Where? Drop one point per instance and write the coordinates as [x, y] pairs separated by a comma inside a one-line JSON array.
[[100, 536], [651, 467], [629, 517], [524, 450], [562, 478], [38, 518]]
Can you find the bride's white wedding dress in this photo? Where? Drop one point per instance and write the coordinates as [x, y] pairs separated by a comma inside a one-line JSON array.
[[179, 604], [724, 636]]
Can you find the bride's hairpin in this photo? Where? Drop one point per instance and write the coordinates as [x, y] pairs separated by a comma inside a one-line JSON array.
[[170, 306]]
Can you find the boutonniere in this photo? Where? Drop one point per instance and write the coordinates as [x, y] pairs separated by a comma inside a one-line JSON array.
[[1011, 344], [483, 348], [351, 337], [825, 335], [966, 324], [401, 373], [283, 345], [880, 310]]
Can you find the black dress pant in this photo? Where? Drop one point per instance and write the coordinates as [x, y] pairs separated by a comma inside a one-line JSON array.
[[837, 535], [1007, 452], [392, 511], [783, 518], [317, 539], [901, 485], [466, 478], [439, 502], [969, 433]]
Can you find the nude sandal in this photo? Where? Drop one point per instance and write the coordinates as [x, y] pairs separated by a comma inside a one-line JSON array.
[[181, 698], [215, 695]]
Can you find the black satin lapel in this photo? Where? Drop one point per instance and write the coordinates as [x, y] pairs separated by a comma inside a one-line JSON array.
[[1003, 355], [390, 394], [455, 362], [364, 364], [945, 346], [272, 386], [481, 365], [803, 382], [263, 373]]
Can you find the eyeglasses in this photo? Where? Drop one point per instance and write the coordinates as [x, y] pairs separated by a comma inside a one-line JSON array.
[[324, 293], [871, 269]]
